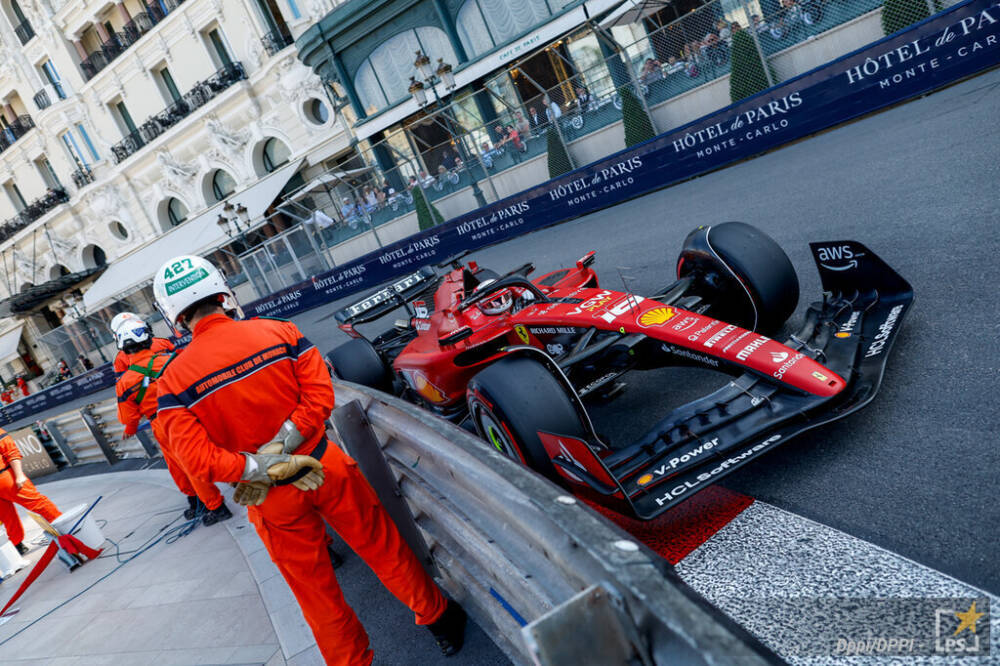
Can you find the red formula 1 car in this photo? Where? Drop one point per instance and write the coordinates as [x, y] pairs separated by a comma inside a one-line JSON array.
[[516, 357]]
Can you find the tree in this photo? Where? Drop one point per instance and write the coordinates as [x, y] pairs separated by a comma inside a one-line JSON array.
[[748, 76], [897, 14], [559, 162], [638, 126], [427, 214]]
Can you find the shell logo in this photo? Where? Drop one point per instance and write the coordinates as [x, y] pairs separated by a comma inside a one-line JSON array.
[[644, 479], [656, 317]]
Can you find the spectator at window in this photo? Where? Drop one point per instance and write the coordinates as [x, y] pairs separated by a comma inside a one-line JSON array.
[[515, 139], [724, 31], [447, 159], [370, 200], [412, 183], [459, 164], [552, 110], [381, 196], [85, 364], [584, 100], [536, 120], [488, 153], [425, 179], [64, 371], [350, 212], [652, 70], [675, 65], [502, 139], [522, 124]]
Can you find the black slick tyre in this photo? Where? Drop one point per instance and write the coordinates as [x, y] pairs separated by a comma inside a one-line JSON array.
[[513, 399], [743, 272], [358, 361]]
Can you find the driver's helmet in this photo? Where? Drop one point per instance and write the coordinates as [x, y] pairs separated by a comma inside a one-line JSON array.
[[497, 303]]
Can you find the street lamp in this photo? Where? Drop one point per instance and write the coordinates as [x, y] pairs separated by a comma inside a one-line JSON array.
[[231, 217], [429, 79]]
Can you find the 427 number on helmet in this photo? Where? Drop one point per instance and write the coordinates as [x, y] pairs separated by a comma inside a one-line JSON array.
[[177, 267]]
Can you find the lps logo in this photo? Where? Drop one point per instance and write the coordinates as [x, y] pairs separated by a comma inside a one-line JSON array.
[[955, 630], [839, 253]]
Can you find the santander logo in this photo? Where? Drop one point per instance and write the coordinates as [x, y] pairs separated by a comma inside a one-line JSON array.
[[779, 357]]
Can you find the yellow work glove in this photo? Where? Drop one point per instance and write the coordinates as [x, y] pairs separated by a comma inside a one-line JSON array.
[[265, 468], [250, 494]]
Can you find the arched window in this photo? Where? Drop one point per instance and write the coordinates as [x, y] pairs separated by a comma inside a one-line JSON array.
[[177, 212], [486, 24], [58, 271], [384, 77], [222, 184], [94, 256], [275, 154]]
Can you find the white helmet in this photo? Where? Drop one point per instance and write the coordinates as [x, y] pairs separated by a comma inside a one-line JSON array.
[[117, 320], [183, 281], [132, 332]]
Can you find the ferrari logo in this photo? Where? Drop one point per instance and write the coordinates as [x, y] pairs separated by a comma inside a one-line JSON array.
[[656, 317], [522, 333]]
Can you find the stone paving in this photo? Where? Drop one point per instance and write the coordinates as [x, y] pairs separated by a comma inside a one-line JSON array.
[[209, 597]]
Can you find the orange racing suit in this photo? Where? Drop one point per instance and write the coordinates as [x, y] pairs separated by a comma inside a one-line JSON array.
[[230, 391], [122, 362], [28, 496], [137, 399]]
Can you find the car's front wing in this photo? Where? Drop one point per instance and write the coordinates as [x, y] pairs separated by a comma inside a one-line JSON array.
[[850, 332]]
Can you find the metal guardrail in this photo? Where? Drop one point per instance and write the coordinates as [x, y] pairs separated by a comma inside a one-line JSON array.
[[93, 434], [550, 580]]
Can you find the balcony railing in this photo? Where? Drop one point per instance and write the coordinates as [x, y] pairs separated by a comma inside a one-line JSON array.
[[83, 176], [48, 94], [14, 131], [275, 41], [24, 32], [42, 100], [156, 125], [118, 42], [43, 204], [40, 206]]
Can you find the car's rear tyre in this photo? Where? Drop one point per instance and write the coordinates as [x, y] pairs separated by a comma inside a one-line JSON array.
[[743, 272], [358, 361], [514, 398]]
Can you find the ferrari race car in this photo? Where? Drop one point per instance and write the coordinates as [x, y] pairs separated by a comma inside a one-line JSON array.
[[517, 357]]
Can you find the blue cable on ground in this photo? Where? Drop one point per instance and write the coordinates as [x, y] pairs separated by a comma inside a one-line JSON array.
[[171, 535]]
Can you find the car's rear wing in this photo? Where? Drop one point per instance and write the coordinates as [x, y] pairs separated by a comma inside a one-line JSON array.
[[387, 299]]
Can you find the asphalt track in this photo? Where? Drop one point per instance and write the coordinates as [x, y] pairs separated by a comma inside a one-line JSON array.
[[915, 472]]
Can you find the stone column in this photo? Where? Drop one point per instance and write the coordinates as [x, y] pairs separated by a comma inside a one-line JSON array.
[[80, 49], [123, 12], [8, 112], [102, 32]]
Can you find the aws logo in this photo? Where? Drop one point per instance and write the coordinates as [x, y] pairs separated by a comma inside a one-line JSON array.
[[838, 253]]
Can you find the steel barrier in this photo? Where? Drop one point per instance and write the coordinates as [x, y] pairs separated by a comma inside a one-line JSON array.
[[547, 578], [550, 580]]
